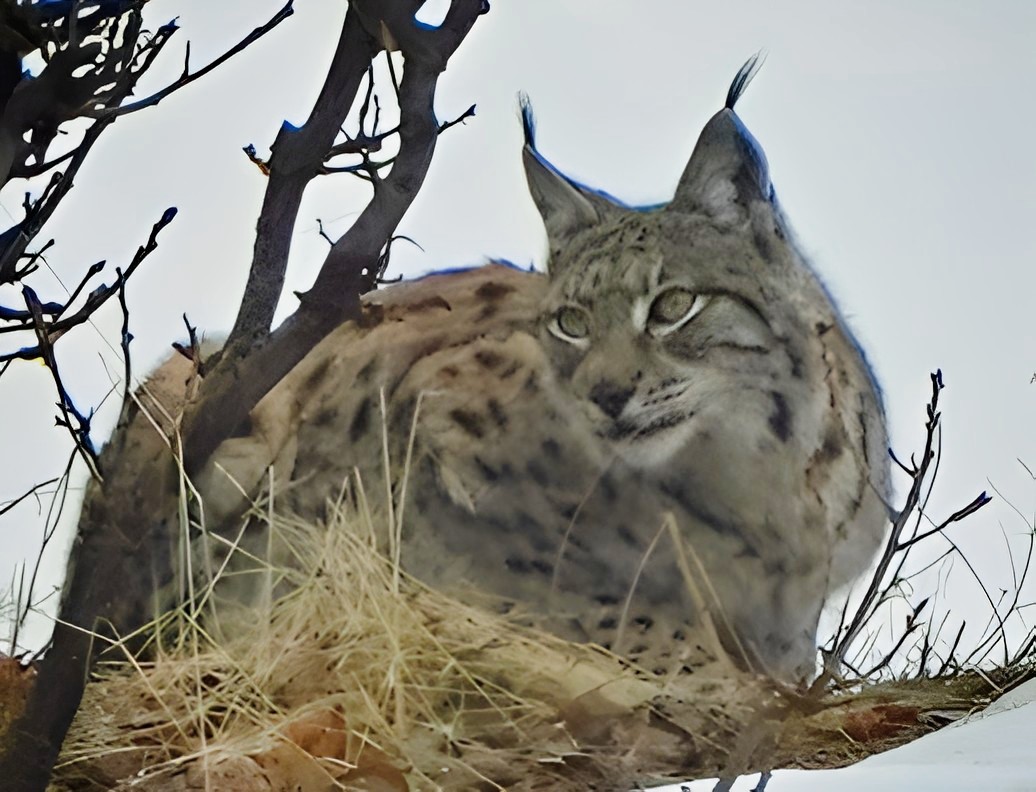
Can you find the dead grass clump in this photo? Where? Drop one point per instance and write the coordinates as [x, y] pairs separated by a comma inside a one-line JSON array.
[[359, 677]]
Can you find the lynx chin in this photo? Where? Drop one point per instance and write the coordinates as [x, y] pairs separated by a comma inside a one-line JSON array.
[[680, 366]]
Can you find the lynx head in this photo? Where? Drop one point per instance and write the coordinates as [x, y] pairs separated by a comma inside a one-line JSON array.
[[658, 319]]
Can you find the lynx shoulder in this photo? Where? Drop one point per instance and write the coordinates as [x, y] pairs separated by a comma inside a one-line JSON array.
[[682, 361]]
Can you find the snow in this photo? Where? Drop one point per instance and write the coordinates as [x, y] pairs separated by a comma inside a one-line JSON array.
[[988, 750]]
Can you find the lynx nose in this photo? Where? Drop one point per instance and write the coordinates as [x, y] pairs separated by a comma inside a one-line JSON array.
[[610, 397]]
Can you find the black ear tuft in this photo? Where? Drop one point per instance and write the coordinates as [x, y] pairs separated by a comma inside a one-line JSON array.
[[744, 76], [528, 120]]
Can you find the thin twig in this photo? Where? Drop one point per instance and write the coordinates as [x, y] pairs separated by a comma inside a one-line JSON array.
[[125, 338], [28, 493], [49, 528], [957, 516], [72, 419]]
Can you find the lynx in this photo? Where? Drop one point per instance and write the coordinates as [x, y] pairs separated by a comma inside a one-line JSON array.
[[674, 423]]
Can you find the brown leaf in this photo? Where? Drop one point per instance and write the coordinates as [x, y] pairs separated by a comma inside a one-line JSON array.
[[301, 763], [881, 722], [321, 733]]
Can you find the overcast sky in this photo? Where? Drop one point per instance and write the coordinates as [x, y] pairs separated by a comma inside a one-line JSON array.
[[899, 136]]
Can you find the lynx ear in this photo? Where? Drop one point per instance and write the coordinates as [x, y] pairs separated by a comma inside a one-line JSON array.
[[565, 207], [727, 171]]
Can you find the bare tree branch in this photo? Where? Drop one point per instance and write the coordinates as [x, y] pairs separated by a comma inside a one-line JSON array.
[[296, 156], [53, 330], [187, 77]]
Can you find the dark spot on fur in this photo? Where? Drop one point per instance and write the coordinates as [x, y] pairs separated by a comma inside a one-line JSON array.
[[626, 535], [316, 376], [577, 542], [489, 359], [644, 621], [496, 412], [638, 649], [519, 565], [511, 370], [436, 301], [325, 417], [487, 472], [796, 365], [361, 421], [449, 371], [831, 448], [606, 599], [776, 567], [694, 507], [537, 473], [542, 566], [469, 421], [526, 523], [429, 347], [780, 418], [679, 635], [401, 413], [364, 375], [607, 623], [823, 328], [489, 310], [532, 383], [763, 242], [493, 291], [747, 551], [532, 530], [551, 448]]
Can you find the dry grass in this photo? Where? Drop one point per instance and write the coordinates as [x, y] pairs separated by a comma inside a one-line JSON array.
[[358, 677], [425, 690]]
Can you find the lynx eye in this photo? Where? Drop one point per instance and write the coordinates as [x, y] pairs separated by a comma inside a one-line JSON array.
[[571, 324], [672, 309]]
